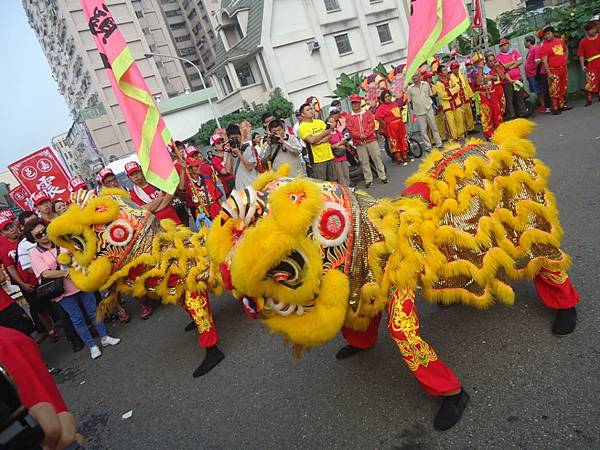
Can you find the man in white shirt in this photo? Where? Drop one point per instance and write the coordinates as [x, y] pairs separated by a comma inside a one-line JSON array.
[[244, 162], [419, 95]]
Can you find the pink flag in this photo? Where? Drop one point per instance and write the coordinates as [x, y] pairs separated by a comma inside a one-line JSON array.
[[146, 127], [433, 24]]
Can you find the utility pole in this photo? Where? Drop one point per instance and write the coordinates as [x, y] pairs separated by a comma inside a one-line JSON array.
[[484, 25]]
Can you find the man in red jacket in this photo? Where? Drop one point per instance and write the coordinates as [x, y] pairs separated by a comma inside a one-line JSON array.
[[555, 55], [361, 126]]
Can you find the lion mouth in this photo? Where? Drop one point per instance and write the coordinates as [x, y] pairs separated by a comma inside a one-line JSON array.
[[286, 309], [76, 241]]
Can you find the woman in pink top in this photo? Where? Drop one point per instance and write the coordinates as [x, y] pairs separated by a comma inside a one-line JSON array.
[[533, 72], [338, 145], [511, 60], [45, 265]]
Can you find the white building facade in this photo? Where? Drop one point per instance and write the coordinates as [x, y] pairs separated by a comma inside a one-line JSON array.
[[301, 46]]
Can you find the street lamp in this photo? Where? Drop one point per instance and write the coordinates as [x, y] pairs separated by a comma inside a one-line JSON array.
[[212, 108]]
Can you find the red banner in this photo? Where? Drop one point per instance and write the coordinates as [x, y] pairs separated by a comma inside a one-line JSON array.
[[22, 198], [42, 171], [477, 21]]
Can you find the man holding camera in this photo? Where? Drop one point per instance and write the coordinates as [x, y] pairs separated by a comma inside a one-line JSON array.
[[281, 148], [244, 161]]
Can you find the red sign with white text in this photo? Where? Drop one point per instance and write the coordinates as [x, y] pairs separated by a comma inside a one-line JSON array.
[[42, 171], [22, 198]]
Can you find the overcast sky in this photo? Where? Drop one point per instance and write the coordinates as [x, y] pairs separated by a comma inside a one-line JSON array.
[[31, 108]]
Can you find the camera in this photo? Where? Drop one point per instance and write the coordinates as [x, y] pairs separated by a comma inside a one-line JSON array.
[[234, 143], [273, 139]]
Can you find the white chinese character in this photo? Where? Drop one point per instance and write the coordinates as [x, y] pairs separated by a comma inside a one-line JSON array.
[[45, 184]]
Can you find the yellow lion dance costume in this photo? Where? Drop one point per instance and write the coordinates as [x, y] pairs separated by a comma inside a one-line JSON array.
[[312, 258], [118, 247]]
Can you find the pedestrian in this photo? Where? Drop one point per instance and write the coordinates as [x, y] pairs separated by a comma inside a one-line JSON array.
[[60, 206], [145, 195], [282, 148], [555, 55], [361, 126], [487, 84], [511, 61], [257, 150], [107, 178], [391, 124], [45, 265], [266, 118], [339, 146], [538, 82], [77, 184], [316, 134], [497, 74], [419, 95], [222, 163], [24, 277], [448, 91], [466, 96], [589, 58], [44, 206], [200, 192], [244, 163]]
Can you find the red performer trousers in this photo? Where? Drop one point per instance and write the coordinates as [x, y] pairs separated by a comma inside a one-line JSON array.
[[491, 112], [557, 86], [198, 307], [553, 287], [396, 134]]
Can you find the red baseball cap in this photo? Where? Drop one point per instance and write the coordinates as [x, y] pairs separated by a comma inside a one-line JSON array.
[[104, 173], [131, 167], [190, 150], [454, 65], [40, 197], [77, 183], [354, 98], [216, 138], [504, 41], [192, 162], [6, 217]]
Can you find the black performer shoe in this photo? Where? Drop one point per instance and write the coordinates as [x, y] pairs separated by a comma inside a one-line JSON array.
[[451, 410], [190, 326], [565, 322], [213, 357], [347, 352]]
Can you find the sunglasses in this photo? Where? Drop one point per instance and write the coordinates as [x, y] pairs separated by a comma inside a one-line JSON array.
[[40, 235]]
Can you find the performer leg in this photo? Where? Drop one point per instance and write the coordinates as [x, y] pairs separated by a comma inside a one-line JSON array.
[[556, 292], [487, 123], [459, 120], [554, 90], [440, 123], [359, 340], [434, 376], [449, 115], [468, 115], [198, 307]]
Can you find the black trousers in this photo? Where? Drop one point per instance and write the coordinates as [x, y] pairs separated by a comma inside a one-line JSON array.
[[16, 318], [515, 103]]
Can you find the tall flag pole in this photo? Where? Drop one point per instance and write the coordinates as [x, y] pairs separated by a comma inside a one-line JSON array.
[[433, 24], [148, 132]]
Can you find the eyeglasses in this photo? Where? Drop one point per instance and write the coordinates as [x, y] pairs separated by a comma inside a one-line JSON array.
[[40, 235]]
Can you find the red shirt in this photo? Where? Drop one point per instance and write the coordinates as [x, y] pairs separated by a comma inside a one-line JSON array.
[[5, 300], [219, 164], [588, 48], [556, 51], [20, 356], [8, 256], [388, 113], [153, 193], [206, 186]]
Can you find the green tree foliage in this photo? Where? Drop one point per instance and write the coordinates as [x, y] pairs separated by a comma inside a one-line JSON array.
[[277, 104], [569, 21], [347, 85]]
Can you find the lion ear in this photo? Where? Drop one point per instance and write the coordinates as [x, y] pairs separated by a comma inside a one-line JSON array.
[[296, 204]]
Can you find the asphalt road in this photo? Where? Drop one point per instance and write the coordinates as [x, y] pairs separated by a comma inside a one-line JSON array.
[[529, 389]]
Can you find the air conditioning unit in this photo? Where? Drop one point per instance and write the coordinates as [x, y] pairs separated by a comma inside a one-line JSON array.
[[313, 46]]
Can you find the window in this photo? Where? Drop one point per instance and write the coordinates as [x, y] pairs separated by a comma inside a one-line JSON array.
[[185, 4], [185, 37], [343, 44], [245, 75], [331, 5], [194, 76], [177, 26], [226, 84], [139, 14], [192, 14], [164, 2], [196, 29], [173, 13], [187, 51], [385, 37]]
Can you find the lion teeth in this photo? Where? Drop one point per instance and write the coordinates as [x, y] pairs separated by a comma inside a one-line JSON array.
[[285, 309]]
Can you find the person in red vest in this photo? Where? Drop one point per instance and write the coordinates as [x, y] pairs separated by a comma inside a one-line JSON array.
[[152, 199], [555, 55], [201, 190], [222, 163]]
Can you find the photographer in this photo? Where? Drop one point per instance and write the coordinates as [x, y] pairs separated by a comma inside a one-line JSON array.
[[281, 148], [36, 391], [244, 162]]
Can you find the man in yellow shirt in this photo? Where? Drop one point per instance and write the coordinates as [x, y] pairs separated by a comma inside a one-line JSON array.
[[448, 91], [316, 134], [465, 93]]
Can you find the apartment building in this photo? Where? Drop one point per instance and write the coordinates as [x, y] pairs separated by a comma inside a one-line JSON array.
[[62, 30], [300, 46]]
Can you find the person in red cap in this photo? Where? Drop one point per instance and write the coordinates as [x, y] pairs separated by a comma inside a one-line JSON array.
[[491, 95], [222, 163], [555, 55], [76, 184], [589, 58], [201, 192], [448, 92], [44, 206], [389, 116], [361, 126], [11, 230], [146, 195], [466, 95], [511, 61], [107, 178]]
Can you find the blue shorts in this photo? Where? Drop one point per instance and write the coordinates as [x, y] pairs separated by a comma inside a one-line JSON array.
[[535, 85]]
